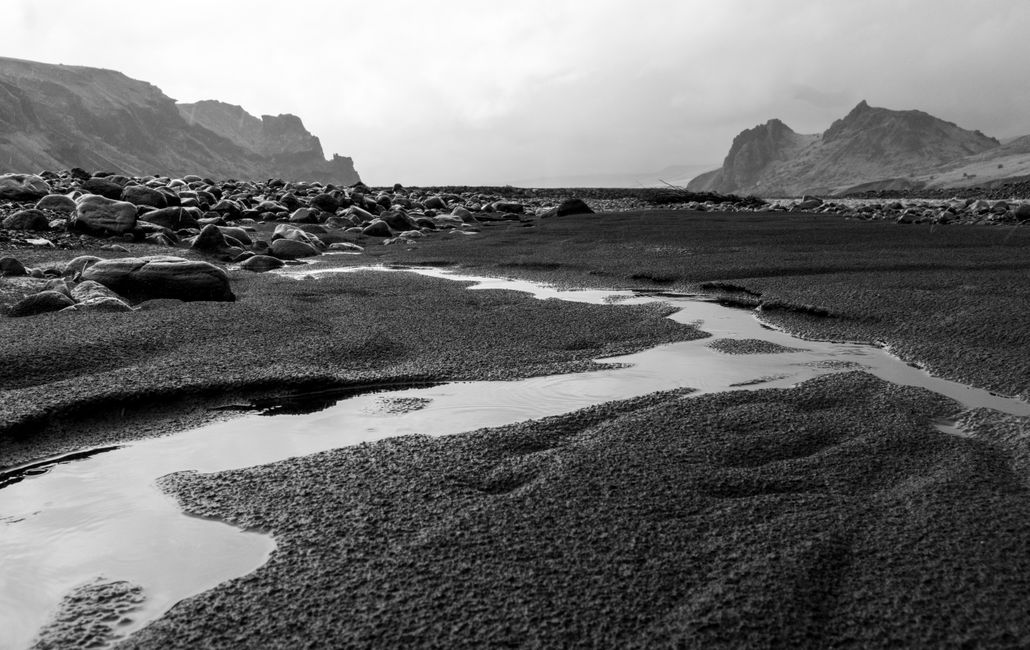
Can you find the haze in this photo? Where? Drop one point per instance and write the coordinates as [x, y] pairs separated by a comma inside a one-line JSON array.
[[465, 92]]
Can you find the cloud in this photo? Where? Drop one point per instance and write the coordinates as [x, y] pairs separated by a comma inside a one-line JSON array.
[[460, 91]]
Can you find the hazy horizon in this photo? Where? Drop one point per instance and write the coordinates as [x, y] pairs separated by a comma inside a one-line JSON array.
[[471, 93]]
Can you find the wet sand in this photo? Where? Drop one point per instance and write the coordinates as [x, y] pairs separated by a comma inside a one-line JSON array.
[[829, 514]]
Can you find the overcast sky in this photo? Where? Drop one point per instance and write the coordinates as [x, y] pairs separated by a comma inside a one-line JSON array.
[[473, 92]]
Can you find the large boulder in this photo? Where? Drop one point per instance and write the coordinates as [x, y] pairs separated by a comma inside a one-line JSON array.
[[261, 263], [40, 303], [31, 219], [23, 187], [174, 218], [161, 276], [142, 195], [11, 267], [569, 207], [377, 228], [289, 249], [102, 187], [80, 264], [56, 203], [102, 216], [399, 221]]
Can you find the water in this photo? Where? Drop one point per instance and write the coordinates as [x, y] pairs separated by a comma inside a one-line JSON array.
[[103, 515]]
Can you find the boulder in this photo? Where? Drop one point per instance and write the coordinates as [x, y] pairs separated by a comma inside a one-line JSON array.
[[80, 264], [569, 207], [289, 249], [174, 218], [399, 221], [305, 215], [142, 195], [101, 305], [90, 290], [228, 209], [261, 263], [809, 203], [346, 247], [325, 203], [31, 219], [210, 239], [12, 267], [508, 206], [102, 187], [1022, 212], [56, 203], [98, 215], [23, 187], [239, 234], [464, 214], [377, 228], [40, 303], [434, 203], [161, 276]]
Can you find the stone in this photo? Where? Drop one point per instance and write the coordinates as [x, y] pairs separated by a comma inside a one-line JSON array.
[[464, 214], [363, 216], [56, 203], [239, 234], [174, 218], [434, 203], [102, 216], [305, 215], [508, 206], [209, 239], [11, 267], [270, 206], [809, 203], [325, 203], [90, 290], [289, 249], [161, 276], [23, 187], [569, 207], [228, 209], [398, 221], [40, 303], [345, 246], [1022, 212], [261, 263], [142, 195], [102, 187], [31, 219], [102, 305], [377, 228], [80, 264]]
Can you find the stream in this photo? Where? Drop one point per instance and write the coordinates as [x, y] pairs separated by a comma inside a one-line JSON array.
[[103, 517]]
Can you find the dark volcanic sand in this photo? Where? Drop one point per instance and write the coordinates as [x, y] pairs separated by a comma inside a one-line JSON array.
[[830, 514]]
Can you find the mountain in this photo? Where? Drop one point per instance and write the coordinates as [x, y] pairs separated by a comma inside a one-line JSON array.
[[59, 116], [868, 145]]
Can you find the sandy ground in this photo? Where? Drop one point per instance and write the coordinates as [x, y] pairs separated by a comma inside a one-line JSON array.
[[832, 514]]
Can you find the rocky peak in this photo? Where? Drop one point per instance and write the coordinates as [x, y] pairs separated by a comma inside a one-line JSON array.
[[754, 149]]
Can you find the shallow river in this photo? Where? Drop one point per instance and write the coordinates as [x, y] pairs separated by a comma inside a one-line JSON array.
[[103, 517]]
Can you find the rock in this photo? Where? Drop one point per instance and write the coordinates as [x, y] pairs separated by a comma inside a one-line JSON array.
[[398, 221], [102, 187], [228, 209], [289, 249], [174, 218], [325, 203], [31, 219], [345, 247], [56, 203], [98, 215], [23, 187], [101, 305], [239, 234], [507, 206], [1022, 212], [464, 214], [80, 264], [11, 267], [40, 303], [59, 285], [363, 216], [261, 263], [434, 203], [377, 228], [270, 206], [142, 195], [305, 215], [90, 290], [569, 207], [809, 203], [160, 276], [210, 239]]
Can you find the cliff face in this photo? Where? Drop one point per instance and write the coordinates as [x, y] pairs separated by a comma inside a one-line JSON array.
[[868, 144], [57, 117]]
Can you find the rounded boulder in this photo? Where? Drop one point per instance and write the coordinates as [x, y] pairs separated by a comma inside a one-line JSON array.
[[161, 276]]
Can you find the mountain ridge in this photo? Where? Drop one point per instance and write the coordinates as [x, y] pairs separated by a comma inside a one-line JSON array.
[[868, 145], [55, 116]]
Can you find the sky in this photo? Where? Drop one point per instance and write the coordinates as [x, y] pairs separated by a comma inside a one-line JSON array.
[[477, 92]]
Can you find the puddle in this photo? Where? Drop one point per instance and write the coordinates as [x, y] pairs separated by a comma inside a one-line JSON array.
[[103, 515]]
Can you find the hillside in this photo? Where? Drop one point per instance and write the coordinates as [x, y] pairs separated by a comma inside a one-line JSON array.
[[59, 116], [868, 145]]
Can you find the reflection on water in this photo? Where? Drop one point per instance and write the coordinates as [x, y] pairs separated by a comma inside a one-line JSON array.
[[102, 516]]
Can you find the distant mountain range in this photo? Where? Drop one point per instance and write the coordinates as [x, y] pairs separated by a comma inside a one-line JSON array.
[[869, 148], [58, 117], [678, 175]]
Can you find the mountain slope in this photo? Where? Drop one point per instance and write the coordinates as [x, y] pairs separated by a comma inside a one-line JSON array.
[[868, 144], [58, 116]]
